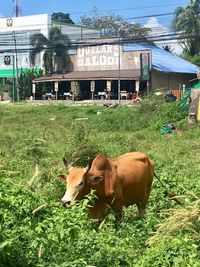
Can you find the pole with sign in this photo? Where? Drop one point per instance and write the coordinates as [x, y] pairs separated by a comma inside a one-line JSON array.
[[92, 87], [137, 86], [33, 90], [13, 81], [7, 61], [56, 89], [108, 87]]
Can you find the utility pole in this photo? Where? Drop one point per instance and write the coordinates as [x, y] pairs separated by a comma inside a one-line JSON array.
[[17, 9], [119, 71], [16, 65]]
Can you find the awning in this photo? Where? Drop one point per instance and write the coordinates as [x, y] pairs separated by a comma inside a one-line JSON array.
[[91, 75]]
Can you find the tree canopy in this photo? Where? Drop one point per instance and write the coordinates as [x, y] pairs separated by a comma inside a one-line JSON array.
[[62, 17], [115, 26], [187, 22]]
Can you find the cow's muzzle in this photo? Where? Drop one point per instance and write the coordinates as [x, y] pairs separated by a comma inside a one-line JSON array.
[[65, 203]]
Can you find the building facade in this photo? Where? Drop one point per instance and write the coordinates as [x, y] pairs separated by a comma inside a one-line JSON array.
[[15, 46], [103, 68]]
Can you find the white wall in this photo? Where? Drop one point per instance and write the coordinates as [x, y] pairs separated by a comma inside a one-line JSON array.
[[22, 28]]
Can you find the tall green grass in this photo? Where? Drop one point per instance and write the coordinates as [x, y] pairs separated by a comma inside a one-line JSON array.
[[35, 230]]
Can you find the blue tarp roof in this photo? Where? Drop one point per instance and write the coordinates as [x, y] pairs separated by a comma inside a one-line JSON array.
[[164, 61]]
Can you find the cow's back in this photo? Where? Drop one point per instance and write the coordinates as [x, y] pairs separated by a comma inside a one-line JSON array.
[[134, 176]]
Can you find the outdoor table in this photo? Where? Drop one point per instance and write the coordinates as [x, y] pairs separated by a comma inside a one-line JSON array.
[[102, 95], [68, 95]]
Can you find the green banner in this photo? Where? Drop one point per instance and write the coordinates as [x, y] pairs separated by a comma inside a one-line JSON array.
[[145, 67]]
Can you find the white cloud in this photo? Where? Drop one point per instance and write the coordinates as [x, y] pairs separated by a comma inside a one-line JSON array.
[[158, 29]]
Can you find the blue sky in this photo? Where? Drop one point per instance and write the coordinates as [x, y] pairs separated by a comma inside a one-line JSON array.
[[77, 8]]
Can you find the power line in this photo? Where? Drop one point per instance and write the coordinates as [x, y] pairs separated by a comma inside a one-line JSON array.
[[123, 9]]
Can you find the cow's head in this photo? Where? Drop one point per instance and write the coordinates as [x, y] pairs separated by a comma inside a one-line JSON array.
[[78, 183]]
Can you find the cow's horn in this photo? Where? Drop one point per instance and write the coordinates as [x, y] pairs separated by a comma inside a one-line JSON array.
[[89, 165], [66, 163]]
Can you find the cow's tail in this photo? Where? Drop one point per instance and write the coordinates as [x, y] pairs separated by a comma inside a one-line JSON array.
[[170, 194]]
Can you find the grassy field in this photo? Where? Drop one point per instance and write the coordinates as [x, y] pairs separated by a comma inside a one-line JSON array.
[[35, 230]]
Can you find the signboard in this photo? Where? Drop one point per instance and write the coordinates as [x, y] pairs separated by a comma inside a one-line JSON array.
[[92, 86], [144, 69], [7, 60], [105, 57], [33, 88], [9, 22], [56, 86], [108, 86], [137, 86]]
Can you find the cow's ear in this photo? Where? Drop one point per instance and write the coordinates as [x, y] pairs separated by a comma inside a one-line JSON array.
[[94, 180], [62, 177]]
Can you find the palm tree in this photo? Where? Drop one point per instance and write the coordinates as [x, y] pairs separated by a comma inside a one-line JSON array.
[[168, 48], [55, 48], [187, 21]]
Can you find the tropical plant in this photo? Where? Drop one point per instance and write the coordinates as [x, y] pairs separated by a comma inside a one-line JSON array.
[[75, 88], [25, 81], [55, 48], [187, 21], [1, 90], [167, 48], [115, 26]]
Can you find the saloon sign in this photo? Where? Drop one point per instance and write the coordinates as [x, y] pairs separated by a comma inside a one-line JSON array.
[[105, 57]]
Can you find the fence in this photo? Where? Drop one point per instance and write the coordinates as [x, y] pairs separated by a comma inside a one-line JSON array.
[[177, 92]]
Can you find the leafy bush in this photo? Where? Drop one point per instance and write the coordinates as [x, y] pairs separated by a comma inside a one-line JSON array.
[[79, 146]]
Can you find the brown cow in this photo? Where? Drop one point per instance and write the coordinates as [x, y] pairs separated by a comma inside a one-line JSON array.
[[118, 182]]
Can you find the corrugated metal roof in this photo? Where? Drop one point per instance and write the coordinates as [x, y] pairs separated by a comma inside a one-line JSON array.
[[164, 61], [92, 75]]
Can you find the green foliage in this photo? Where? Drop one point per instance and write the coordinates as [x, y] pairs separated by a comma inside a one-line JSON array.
[[62, 18], [168, 48], [25, 81], [79, 147], [75, 88], [193, 59], [177, 251], [115, 26], [1, 90], [36, 230], [182, 22]]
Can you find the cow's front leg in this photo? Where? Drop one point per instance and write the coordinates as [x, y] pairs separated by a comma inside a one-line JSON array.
[[97, 213], [117, 207], [141, 209]]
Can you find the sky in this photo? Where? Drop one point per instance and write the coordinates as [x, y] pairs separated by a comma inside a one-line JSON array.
[[77, 8], [154, 13]]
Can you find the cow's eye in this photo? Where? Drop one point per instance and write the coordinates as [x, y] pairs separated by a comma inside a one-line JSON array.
[[81, 183]]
